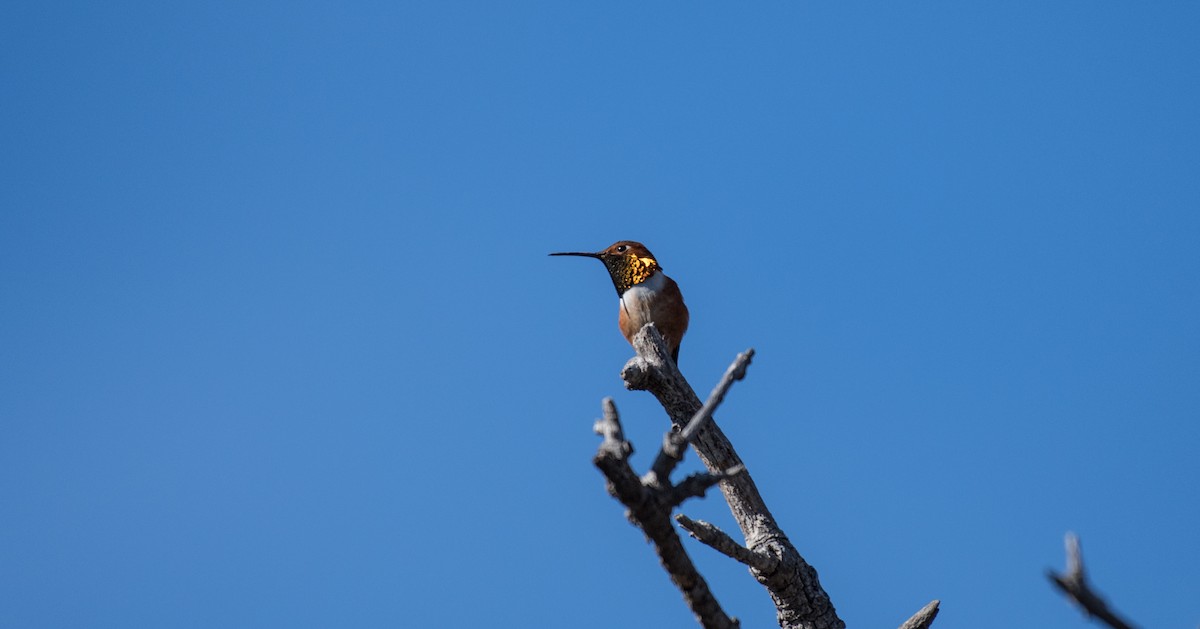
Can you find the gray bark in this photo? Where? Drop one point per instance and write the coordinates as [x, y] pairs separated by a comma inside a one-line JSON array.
[[923, 618], [800, 601], [649, 502]]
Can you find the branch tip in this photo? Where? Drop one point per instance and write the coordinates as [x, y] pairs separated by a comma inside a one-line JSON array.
[[924, 617], [696, 485], [1075, 585], [736, 371]]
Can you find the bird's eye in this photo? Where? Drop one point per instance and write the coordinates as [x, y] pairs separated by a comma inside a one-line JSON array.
[[621, 249]]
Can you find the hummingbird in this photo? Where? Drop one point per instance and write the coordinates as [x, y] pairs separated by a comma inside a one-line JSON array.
[[647, 295]]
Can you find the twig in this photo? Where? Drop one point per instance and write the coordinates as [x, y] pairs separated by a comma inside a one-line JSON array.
[[736, 371], [1075, 585], [924, 617], [613, 459], [672, 449], [609, 427], [696, 485], [721, 542]]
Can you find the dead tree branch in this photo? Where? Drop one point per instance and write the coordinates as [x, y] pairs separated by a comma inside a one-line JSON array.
[[923, 618], [696, 485], [649, 506], [721, 542], [676, 440], [1075, 585], [800, 601]]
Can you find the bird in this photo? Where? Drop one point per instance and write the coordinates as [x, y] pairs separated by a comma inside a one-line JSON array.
[[646, 294]]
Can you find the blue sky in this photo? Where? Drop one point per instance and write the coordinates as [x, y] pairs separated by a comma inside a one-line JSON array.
[[282, 346]]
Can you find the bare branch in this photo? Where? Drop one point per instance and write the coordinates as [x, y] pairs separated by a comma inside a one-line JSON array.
[[609, 427], [673, 444], [669, 456], [696, 485], [923, 618], [649, 509], [735, 372], [613, 459], [721, 542], [800, 601], [1075, 585]]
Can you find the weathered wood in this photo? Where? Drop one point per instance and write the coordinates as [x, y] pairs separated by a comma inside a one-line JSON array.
[[800, 601], [924, 617], [649, 508]]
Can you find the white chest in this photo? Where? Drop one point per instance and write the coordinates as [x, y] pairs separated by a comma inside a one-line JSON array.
[[639, 300]]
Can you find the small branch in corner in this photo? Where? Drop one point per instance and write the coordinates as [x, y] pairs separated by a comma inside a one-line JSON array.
[[1075, 585]]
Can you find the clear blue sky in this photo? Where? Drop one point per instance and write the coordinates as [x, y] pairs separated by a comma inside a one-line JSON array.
[[282, 347]]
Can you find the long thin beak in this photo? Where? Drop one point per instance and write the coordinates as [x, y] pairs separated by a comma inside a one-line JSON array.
[[578, 253]]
